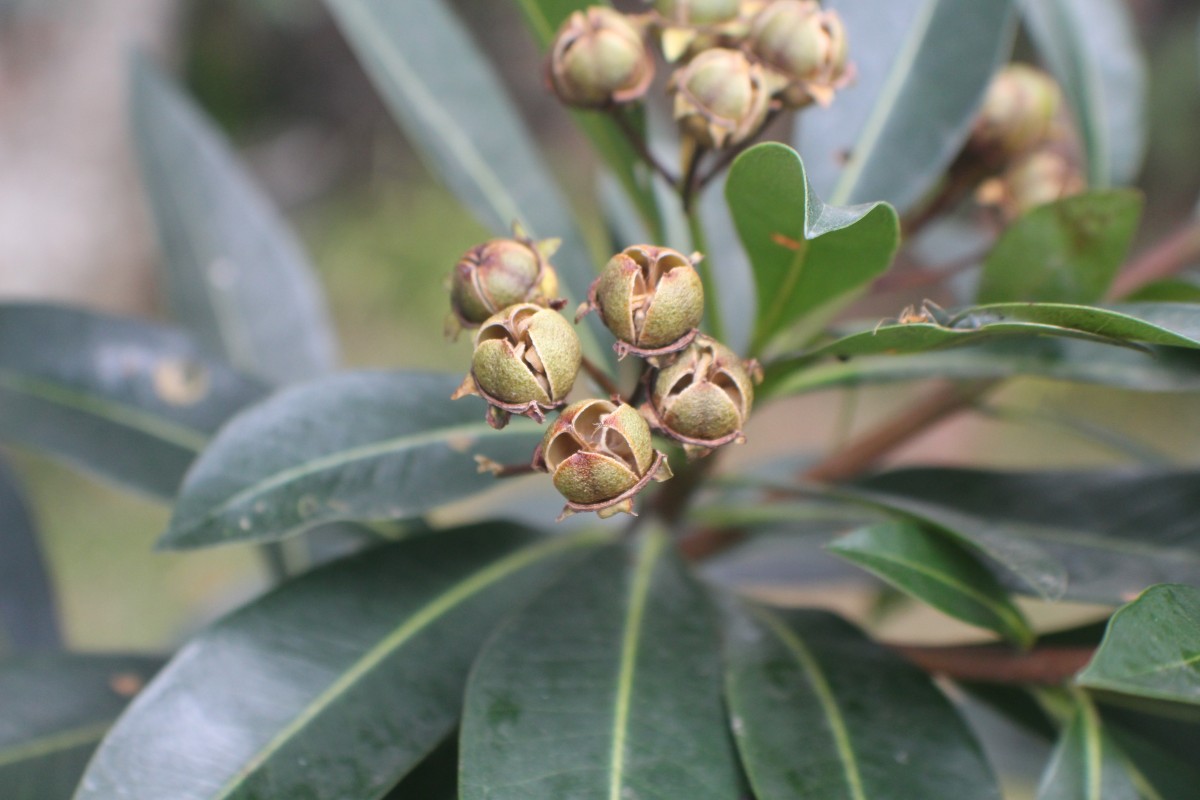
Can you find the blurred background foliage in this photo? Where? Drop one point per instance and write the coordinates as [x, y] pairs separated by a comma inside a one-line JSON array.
[[281, 81]]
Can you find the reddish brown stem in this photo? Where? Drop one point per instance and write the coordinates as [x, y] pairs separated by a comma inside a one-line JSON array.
[[1161, 261], [598, 376], [1045, 666]]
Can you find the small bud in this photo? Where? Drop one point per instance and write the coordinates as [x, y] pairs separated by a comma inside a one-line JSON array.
[[600, 456], [598, 59], [526, 359], [704, 396], [805, 46], [1037, 178], [1018, 113], [697, 12], [500, 273], [721, 98], [650, 298]]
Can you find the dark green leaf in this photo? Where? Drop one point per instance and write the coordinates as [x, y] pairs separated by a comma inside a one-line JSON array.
[[357, 446], [1152, 647], [235, 273], [1091, 47], [1114, 533], [1067, 251], [453, 106], [1156, 370], [1172, 777], [55, 711], [28, 614], [938, 571], [1172, 290], [1086, 764], [334, 685], [131, 401], [922, 67], [435, 778], [820, 711], [806, 256], [606, 686]]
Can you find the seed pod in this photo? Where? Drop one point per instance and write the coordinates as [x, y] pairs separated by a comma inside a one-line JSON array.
[[500, 273], [721, 98], [804, 46], [1039, 177], [696, 12], [703, 397], [1018, 114], [525, 362], [598, 59], [650, 298], [600, 456]]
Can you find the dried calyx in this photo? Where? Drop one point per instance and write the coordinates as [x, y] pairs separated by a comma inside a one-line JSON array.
[[500, 273], [651, 298], [703, 398], [525, 362], [600, 59], [600, 456]]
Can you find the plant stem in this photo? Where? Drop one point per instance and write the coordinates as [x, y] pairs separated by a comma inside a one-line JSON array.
[[1045, 666], [1161, 261], [275, 560], [700, 243], [638, 142], [602, 381], [732, 153]]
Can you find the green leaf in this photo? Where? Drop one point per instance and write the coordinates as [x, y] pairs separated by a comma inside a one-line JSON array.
[[1113, 532], [1155, 370], [544, 18], [806, 256], [1067, 251], [435, 778], [1091, 47], [131, 401], [921, 70], [1086, 763], [1172, 290], [28, 612], [820, 711], [1152, 647], [452, 105], [357, 446], [606, 686], [334, 685], [56, 710], [235, 273], [1166, 776], [938, 571]]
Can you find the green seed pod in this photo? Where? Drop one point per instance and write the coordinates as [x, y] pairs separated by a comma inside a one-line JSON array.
[[1037, 178], [1018, 114], [704, 396], [651, 298], [696, 12], [600, 456], [525, 362], [599, 59], [500, 273], [721, 98], [803, 45]]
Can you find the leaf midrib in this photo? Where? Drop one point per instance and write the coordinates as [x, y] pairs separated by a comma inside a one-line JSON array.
[[59, 741], [438, 607]]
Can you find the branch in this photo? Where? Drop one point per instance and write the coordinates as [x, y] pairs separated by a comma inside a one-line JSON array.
[[1046, 666], [1163, 260]]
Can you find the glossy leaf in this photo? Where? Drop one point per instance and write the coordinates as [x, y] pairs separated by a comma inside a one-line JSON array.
[[56, 710], [1086, 764], [921, 69], [818, 710], [1091, 47], [1155, 370], [334, 685], [937, 571], [1067, 251], [456, 112], [544, 18], [132, 401], [606, 686], [806, 256], [357, 446], [235, 273], [1113, 532], [1152, 647], [28, 613]]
